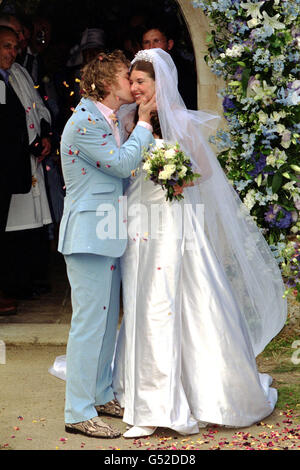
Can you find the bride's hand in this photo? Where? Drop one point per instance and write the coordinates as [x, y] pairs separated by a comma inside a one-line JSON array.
[[179, 189], [146, 108]]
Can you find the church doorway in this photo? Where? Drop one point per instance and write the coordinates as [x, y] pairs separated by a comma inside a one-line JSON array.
[[70, 18], [122, 24]]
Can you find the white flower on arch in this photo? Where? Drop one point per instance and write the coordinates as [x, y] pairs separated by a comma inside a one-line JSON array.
[[253, 9]]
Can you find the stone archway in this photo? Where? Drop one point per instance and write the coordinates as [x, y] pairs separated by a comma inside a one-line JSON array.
[[208, 83]]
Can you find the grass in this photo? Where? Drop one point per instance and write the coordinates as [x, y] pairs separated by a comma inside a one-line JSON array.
[[286, 367], [288, 395], [277, 356], [280, 345]]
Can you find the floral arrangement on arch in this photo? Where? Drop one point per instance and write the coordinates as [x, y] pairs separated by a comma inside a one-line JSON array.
[[255, 47]]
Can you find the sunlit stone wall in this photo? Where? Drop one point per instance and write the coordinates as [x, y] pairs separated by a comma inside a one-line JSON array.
[[208, 83]]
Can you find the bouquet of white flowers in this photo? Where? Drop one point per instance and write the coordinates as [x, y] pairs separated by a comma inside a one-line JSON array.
[[168, 166]]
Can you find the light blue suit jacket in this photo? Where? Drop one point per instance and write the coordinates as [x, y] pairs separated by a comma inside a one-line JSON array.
[[94, 168]]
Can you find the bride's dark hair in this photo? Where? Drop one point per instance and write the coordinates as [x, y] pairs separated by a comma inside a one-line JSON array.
[[147, 67]]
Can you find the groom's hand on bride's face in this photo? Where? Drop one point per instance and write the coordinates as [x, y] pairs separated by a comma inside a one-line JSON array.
[[146, 107]]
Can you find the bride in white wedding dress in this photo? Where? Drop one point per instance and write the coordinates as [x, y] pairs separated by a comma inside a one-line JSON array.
[[196, 311]]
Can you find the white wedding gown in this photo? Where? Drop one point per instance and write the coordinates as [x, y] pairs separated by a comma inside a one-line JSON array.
[[183, 354]]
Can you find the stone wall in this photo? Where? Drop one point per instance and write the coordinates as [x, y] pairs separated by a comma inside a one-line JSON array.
[[208, 83]]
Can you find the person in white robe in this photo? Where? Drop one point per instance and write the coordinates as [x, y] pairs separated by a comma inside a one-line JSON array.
[[29, 213]]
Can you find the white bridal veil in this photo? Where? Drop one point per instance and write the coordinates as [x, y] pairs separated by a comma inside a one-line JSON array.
[[236, 240]]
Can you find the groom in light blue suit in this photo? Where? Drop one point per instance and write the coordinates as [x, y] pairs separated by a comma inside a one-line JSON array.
[[95, 164]]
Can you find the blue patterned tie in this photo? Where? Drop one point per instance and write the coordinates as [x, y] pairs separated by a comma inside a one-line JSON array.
[[5, 75]]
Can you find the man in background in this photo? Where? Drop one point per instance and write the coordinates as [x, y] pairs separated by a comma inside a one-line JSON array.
[[155, 35]]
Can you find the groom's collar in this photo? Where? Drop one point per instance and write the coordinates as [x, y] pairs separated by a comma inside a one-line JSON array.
[[107, 112], [90, 105]]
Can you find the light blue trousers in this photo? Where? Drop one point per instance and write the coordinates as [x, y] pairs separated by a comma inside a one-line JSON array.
[[95, 295]]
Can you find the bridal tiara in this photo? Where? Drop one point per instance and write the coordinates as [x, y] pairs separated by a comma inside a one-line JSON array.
[[143, 55]]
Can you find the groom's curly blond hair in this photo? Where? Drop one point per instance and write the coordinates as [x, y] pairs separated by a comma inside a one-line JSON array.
[[100, 73]]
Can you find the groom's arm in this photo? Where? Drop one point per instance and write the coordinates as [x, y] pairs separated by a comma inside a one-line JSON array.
[[99, 149]]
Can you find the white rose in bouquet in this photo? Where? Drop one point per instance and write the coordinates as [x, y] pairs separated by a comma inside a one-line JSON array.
[[170, 154], [182, 172], [167, 172], [147, 166]]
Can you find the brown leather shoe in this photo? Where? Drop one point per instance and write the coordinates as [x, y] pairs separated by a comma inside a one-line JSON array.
[[112, 408], [7, 306], [94, 427]]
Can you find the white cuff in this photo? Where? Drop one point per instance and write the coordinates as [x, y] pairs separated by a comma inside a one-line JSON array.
[[146, 125]]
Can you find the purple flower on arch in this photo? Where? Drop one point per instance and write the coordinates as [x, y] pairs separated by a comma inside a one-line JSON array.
[[259, 164], [228, 104], [278, 217]]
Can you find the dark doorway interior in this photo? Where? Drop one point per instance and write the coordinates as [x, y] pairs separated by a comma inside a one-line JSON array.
[[70, 18], [122, 23]]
